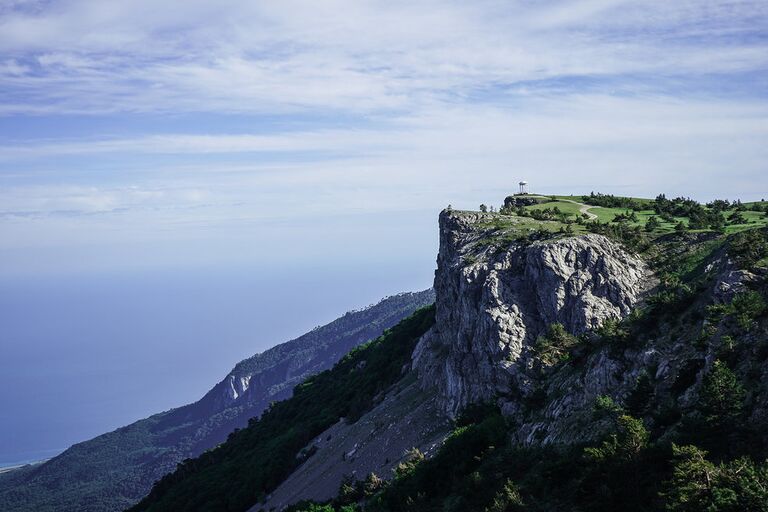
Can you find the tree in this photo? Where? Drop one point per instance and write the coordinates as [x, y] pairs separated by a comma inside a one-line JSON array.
[[508, 499], [553, 346], [638, 401], [483, 208], [692, 479], [680, 227], [313, 507], [749, 247], [413, 458], [721, 399], [652, 224], [372, 484], [700, 485], [349, 490], [747, 307], [719, 205], [736, 218], [626, 444]]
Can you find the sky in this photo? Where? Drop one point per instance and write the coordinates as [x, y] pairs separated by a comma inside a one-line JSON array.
[[183, 126], [142, 141]]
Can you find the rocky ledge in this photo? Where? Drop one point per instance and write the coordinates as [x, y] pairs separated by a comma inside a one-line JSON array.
[[494, 301]]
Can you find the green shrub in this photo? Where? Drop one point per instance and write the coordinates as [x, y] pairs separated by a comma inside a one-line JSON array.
[[749, 247], [553, 347], [746, 307], [700, 485]]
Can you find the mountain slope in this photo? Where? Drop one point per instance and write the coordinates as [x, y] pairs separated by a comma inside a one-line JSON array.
[[254, 460], [114, 470], [665, 410], [622, 369]]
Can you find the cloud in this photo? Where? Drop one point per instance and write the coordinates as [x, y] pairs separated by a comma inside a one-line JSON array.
[[587, 120], [461, 155], [359, 57], [295, 110]]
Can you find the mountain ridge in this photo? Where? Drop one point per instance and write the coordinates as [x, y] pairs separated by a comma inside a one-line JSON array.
[[635, 348], [138, 454]]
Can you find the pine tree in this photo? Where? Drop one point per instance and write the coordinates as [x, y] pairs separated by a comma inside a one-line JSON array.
[[721, 399]]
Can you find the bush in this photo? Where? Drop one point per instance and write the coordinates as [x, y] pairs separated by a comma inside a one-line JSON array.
[[552, 348], [747, 307], [611, 201], [699, 485], [749, 247], [630, 439]]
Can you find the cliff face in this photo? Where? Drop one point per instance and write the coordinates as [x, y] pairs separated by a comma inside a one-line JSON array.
[[493, 340], [494, 301]]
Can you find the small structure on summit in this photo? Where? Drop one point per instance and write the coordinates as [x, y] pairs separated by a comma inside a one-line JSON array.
[[523, 187]]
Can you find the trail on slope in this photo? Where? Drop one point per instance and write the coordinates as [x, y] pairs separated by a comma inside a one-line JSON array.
[[583, 208]]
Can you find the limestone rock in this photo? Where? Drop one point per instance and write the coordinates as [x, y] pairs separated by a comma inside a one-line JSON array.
[[494, 301]]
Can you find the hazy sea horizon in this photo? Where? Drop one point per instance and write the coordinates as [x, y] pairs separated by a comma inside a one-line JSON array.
[[85, 354]]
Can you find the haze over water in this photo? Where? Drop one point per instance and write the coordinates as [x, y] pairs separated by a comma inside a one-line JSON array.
[[85, 354]]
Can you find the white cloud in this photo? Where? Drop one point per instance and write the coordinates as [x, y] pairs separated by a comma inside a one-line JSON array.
[[439, 102], [355, 56], [588, 120], [462, 155]]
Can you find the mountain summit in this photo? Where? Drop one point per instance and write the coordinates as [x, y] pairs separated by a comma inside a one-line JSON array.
[[592, 353]]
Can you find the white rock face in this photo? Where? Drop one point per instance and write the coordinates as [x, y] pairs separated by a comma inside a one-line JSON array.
[[493, 302]]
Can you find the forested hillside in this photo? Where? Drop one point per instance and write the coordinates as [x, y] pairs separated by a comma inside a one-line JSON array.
[[625, 390]]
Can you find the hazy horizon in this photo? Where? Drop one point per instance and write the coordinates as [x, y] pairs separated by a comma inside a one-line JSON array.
[[153, 341]]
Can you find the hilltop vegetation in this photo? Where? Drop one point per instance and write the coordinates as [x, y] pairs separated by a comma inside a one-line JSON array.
[[634, 221]]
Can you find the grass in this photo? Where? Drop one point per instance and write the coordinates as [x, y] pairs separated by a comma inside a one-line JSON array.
[[563, 206], [505, 229], [514, 226], [754, 219]]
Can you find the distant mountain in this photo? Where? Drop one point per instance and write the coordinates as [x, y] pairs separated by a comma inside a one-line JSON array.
[[113, 471]]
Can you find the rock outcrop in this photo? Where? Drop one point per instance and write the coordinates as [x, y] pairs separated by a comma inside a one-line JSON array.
[[494, 300], [407, 418]]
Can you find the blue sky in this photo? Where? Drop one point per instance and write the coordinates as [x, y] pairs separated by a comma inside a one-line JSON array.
[[174, 124]]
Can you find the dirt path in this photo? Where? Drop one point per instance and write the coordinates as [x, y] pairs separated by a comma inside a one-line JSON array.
[[583, 208]]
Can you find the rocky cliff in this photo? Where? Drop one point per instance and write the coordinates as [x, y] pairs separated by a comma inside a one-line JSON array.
[[495, 300], [557, 371]]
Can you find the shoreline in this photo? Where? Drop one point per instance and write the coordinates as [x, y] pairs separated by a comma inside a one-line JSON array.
[[8, 469]]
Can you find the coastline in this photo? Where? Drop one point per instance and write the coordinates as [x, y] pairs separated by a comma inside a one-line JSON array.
[[8, 469]]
